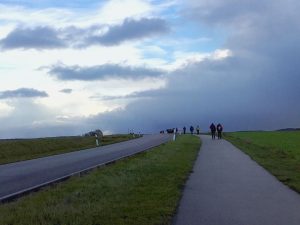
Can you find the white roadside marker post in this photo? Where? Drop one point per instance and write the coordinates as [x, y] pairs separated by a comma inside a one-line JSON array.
[[174, 136], [97, 141]]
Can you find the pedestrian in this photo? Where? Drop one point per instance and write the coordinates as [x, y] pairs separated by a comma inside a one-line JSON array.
[[184, 130], [219, 130], [192, 129], [198, 130], [213, 131]]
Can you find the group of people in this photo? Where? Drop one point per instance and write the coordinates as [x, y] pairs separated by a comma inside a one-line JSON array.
[[218, 128], [213, 128], [192, 130]]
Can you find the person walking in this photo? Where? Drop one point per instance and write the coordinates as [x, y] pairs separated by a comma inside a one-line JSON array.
[[184, 130], [192, 129], [213, 131], [198, 130], [219, 130]]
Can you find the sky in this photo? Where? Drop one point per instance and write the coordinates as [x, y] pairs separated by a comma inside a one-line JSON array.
[[68, 67]]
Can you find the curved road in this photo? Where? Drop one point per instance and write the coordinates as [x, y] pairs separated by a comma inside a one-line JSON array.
[[228, 188], [21, 177]]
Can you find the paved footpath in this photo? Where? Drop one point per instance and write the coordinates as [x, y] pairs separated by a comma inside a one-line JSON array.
[[228, 188]]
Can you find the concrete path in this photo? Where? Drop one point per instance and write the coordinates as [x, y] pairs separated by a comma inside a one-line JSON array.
[[20, 177], [228, 188]]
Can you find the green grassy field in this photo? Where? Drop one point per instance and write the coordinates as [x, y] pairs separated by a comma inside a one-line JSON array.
[[142, 190], [23, 149], [278, 152]]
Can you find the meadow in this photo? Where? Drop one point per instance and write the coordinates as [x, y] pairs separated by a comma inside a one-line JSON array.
[[14, 150], [142, 190], [278, 152]]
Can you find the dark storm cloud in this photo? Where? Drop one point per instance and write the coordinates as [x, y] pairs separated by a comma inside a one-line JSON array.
[[23, 93], [47, 37], [102, 72], [256, 88], [130, 30], [230, 12]]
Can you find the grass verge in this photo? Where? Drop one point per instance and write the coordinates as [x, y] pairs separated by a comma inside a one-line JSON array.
[[24, 149], [142, 190], [278, 152]]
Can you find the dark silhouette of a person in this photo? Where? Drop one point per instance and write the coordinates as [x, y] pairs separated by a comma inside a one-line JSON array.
[[219, 130], [184, 130], [213, 131], [192, 129], [198, 130]]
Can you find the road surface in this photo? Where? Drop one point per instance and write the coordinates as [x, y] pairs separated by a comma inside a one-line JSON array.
[[228, 188], [21, 177]]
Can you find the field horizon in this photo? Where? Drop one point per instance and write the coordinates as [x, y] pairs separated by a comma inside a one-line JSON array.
[[291, 129], [15, 150]]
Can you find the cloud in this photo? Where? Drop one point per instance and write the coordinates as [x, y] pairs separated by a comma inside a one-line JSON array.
[[23, 93], [33, 119], [102, 72], [47, 37], [130, 30], [66, 91], [37, 38], [135, 95], [47, 3], [231, 12], [256, 86]]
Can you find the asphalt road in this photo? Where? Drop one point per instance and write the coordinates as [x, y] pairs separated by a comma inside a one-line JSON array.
[[15, 178], [228, 188]]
